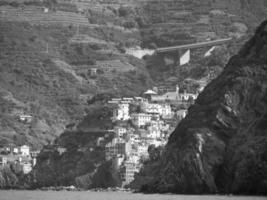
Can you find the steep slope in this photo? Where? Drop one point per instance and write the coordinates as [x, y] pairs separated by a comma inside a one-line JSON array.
[[45, 71], [221, 145], [76, 157]]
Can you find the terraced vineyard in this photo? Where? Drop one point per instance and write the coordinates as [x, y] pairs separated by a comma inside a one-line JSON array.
[[35, 15]]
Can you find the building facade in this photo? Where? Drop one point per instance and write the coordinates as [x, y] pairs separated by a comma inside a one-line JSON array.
[[3, 160], [117, 147], [127, 172], [141, 119], [24, 150], [121, 113]]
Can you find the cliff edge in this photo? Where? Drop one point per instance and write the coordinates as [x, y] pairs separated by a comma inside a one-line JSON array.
[[221, 146]]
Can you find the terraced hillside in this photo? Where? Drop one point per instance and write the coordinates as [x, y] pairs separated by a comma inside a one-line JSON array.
[[37, 15], [39, 60], [49, 47], [194, 20]]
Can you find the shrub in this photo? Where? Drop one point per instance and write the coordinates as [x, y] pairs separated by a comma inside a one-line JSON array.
[[141, 22], [129, 24], [125, 11]]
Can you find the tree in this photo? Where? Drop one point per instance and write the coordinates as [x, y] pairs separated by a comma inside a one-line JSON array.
[[154, 152], [106, 176], [8, 178], [129, 24], [125, 11], [191, 100]]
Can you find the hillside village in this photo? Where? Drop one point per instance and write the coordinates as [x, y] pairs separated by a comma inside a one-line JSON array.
[[20, 156], [141, 122]]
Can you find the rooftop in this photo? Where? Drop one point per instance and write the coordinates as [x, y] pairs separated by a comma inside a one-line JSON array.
[[150, 92]]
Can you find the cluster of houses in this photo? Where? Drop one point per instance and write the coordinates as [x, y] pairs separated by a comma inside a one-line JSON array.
[[21, 155], [139, 123]]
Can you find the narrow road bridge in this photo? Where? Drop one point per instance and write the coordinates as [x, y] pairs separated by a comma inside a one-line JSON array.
[[193, 46], [184, 50]]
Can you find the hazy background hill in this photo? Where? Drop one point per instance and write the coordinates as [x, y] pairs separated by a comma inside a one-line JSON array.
[[45, 54]]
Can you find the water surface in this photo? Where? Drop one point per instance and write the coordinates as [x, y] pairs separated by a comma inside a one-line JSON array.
[[89, 195]]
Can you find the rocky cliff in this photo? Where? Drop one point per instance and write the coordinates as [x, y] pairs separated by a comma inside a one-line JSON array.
[[221, 145]]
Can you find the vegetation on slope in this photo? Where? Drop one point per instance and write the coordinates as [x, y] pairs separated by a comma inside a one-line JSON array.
[[75, 158], [38, 78]]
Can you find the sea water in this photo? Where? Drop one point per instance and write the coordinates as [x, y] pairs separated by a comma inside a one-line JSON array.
[[89, 195]]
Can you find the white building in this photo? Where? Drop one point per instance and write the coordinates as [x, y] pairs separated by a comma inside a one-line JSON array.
[[128, 99], [154, 132], [3, 160], [174, 96], [26, 167], [134, 138], [166, 111], [142, 150], [93, 71], [15, 150], [156, 129], [24, 150], [120, 131], [186, 96], [127, 172], [168, 96], [117, 147], [100, 141], [151, 108], [157, 142], [25, 118], [140, 99], [134, 158], [150, 92], [163, 109], [61, 150], [26, 163], [45, 10], [141, 119], [117, 161], [115, 101], [121, 112]]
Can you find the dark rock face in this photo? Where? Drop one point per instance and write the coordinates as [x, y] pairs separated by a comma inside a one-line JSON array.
[[221, 146]]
